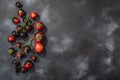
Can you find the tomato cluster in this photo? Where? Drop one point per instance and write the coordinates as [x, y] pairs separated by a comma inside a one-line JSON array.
[[26, 24]]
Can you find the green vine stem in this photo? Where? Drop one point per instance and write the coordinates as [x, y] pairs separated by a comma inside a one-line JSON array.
[[18, 50], [29, 43], [27, 17], [22, 25]]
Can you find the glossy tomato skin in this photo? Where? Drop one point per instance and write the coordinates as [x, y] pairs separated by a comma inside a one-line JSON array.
[[28, 65], [39, 26], [16, 20], [21, 13], [33, 15], [11, 38], [38, 37], [38, 47]]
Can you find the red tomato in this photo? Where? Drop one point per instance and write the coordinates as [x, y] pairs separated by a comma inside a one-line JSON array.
[[16, 20], [38, 47], [28, 66], [38, 37], [11, 38], [39, 26], [33, 15], [21, 12]]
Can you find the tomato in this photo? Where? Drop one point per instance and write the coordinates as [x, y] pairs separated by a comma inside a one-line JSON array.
[[19, 5], [19, 55], [11, 38], [38, 37], [18, 45], [19, 28], [21, 13], [28, 28], [26, 49], [38, 47], [11, 51], [28, 65], [33, 15], [39, 26], [16, 20]]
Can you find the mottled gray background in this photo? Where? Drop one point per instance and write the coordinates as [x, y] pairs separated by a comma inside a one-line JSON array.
[[83, 39]]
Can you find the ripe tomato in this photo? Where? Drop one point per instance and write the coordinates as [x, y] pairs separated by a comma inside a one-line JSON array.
[[21, 13], [28, 65], [38, 47], [11, 38], [16, 20], [33, 15], [38, 37], [39, 26]]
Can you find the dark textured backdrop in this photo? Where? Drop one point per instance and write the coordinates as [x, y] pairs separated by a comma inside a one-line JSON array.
[[83, 39]]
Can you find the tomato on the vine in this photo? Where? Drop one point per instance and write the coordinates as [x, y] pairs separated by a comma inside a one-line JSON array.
[[39, 26], [33, 15], [11, 38], [38, 47], [38, 37]]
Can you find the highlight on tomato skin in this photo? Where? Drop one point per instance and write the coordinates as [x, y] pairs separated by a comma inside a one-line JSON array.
[[33, 15], [11, 38], [15, 20], [21, 13], [27, 66], [38, 47]]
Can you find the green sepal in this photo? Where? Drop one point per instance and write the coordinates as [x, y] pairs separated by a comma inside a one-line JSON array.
[[22, 25]]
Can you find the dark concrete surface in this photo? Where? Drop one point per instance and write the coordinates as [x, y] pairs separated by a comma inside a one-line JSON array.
[[83, 39]]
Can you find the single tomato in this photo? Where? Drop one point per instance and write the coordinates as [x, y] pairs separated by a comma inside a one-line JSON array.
[[16, 20], [39, 26], [21, 12], [38, 37], [11, 38], [38, 47], [33, 15], [18, 45], [28, 65]]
